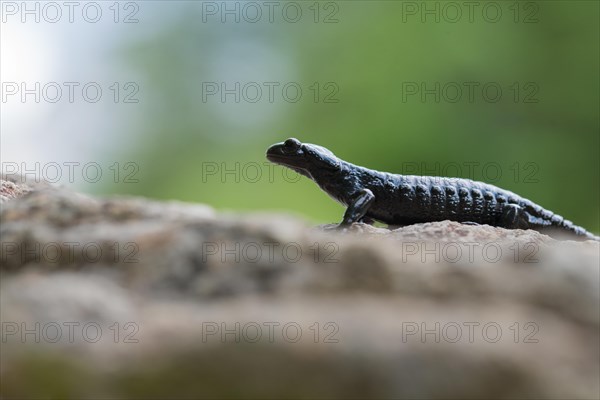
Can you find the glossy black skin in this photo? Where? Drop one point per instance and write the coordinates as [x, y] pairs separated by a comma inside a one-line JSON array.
[[407, 199]]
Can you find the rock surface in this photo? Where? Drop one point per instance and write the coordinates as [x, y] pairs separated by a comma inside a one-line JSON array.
[[127, 297], [13, 186]]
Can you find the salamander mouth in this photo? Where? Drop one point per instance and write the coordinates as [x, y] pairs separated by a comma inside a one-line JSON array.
[[293, 161], [289, 154], [280, 154], [287, 160], [280, 158]]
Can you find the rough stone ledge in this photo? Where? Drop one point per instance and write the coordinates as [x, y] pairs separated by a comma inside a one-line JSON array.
[[371, 284]]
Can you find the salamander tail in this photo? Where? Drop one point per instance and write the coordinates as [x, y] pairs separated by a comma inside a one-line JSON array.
[[567, 225]]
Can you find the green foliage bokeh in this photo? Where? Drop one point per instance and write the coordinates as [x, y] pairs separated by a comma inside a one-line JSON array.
[[546, 141]]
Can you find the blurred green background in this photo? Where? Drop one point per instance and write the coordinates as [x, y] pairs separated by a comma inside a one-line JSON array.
[[541, 135]]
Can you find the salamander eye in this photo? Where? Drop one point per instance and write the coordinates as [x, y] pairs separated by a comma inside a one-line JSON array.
[[292, 144]]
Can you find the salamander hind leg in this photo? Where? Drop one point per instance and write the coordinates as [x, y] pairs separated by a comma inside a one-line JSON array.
[[514, 217]]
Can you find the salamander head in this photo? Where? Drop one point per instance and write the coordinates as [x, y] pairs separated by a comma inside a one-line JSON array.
[[307, 159]]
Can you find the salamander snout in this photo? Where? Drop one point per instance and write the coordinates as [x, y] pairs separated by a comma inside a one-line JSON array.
[[286, 152]]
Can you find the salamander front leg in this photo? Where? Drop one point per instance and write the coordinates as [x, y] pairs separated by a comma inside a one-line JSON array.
[[514, 217], [358, 208]]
